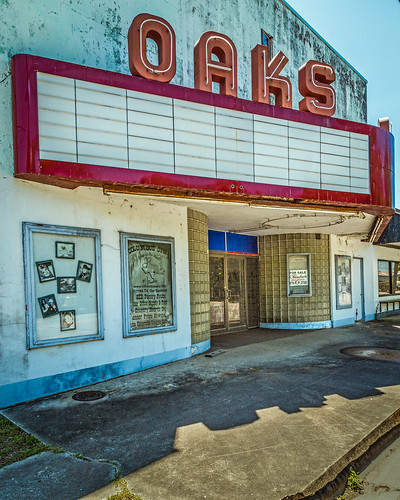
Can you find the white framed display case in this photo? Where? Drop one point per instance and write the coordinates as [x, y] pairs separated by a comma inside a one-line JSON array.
[[63, 286], [344, 296], [148, 284]]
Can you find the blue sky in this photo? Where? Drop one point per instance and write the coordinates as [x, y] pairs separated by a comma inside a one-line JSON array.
[[367, 34]]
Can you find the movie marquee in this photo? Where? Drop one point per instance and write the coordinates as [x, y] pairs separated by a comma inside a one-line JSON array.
[[76, 126]]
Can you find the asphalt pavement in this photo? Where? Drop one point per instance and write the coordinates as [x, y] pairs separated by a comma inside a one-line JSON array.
[[275, 416]]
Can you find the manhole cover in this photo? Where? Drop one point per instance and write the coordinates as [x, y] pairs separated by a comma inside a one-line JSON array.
[[88, 395], [376, 353]]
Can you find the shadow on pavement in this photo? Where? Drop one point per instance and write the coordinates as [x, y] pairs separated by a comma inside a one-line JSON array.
[[253, 336], [140, 429]]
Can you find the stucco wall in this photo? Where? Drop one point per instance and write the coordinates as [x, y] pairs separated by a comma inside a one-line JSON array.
[[94, 33], [86, 207], [353, 247]]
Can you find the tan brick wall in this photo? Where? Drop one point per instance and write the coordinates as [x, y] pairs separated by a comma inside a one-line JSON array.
[[275, 305], [199, 276]]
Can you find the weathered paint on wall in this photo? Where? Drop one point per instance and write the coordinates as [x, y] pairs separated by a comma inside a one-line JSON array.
[[94, 33], [111, 214]]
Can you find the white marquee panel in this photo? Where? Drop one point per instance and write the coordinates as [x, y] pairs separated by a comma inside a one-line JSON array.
[[101, 125]]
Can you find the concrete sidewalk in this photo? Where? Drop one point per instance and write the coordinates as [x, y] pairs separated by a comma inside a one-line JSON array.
[[265, 420]]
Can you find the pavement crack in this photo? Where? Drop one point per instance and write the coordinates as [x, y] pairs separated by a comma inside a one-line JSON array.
[[380, 487], [114, 463], [252, 450]]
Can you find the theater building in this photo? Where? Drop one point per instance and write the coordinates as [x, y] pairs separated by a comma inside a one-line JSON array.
[[175, 173]]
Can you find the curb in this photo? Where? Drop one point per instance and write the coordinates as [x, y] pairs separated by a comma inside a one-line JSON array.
[[333, 481]]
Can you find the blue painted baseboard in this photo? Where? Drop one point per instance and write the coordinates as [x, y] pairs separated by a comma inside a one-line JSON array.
[[27, 390], [201, 347], [311, 325], [343, 322]]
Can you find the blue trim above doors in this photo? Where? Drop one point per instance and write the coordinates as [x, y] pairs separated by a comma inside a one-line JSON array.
[[216, 241], [235, 243]]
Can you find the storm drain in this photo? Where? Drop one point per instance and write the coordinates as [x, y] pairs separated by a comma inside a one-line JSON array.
[[88, 395], [375, 353]]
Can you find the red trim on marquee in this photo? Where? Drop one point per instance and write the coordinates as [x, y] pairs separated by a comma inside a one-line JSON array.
[[28, 164], [92, 173]]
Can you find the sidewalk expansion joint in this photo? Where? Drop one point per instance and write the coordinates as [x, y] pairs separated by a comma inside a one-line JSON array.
[[116, 465]]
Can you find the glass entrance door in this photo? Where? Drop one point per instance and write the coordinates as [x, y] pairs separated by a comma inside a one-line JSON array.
[[217, 293], [233, 292]]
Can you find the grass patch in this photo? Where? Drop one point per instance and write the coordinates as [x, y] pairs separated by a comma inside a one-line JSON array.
[[124, 492], [16, 444], [353, 485]]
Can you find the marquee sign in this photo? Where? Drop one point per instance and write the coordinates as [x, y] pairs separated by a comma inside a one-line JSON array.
[[215, 60], [76, 126]]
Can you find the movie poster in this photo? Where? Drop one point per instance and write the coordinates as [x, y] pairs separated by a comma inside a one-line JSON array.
[[150, 285]]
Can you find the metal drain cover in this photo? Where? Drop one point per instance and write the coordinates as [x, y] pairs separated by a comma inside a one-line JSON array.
[[88, 395], [375, 353]]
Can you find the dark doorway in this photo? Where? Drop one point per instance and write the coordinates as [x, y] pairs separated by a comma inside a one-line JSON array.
[[234, 295]]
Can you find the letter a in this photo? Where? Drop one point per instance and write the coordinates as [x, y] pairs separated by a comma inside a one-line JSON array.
[[266, 79], [314, 84], [222, 68], [146, 26]]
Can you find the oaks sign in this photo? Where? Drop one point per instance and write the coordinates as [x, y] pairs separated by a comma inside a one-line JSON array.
[[215, 60]]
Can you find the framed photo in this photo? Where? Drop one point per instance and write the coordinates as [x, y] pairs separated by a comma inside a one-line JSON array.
[[84, 271], [67, 320], [66, 284], [80, 307], [343, 282], [48, 305], [65, 250], [45, 269]]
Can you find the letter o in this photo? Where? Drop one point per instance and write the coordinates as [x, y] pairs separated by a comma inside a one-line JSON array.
[[146, 26]]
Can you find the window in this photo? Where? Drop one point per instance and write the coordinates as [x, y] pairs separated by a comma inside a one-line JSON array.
[[63, 284], [344, 298], [298, 275], [148, 284], [267, 41], [388, 277]]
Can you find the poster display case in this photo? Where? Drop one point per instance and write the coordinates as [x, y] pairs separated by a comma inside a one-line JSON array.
[[344, 298], [148, 284], [63, 284], [298, 275]]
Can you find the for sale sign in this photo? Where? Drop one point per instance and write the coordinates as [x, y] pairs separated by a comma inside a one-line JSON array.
[[298, 277]]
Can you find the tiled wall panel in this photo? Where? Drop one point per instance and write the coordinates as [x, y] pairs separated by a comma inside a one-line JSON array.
[[275, 305]]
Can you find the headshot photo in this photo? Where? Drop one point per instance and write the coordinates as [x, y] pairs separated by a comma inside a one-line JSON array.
[[65, 250], [66, 284], [48, 305], [67, 320], [84, 271], [45, 270]]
